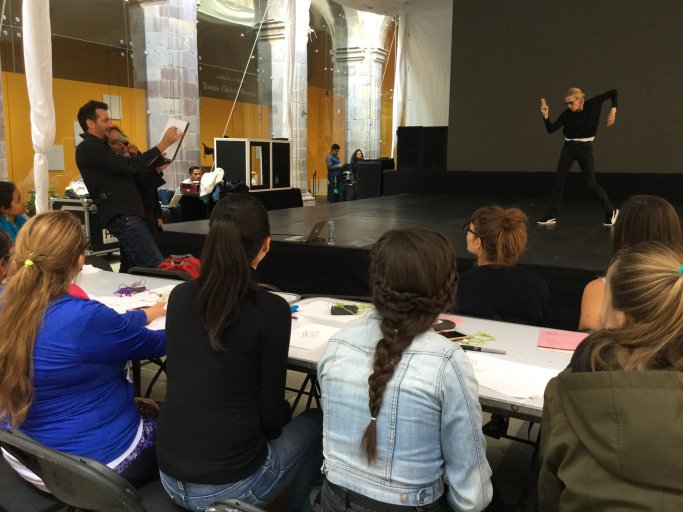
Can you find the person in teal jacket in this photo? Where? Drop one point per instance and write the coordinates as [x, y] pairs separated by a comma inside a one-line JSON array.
[[12, 209]]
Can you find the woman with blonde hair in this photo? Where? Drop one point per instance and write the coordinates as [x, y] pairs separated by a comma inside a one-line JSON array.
[[642, 218], [579, 123], [496, 288], [612, 421], [62, 358], [402, 414]]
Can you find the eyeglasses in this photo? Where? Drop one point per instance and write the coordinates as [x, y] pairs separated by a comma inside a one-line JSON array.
[[466, 229]]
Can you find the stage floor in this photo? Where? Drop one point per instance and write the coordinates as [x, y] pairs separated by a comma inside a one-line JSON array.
[[577, 241], [568, 254]]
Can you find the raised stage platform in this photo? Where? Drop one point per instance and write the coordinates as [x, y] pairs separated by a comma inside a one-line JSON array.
[[568, 255]]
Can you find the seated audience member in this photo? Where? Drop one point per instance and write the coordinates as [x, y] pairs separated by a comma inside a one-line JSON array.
[[224, 431], [12, 209], [6, 251], [611, 426], [642, 218], [421, 426], [496, 288], [62, 358], [195, 175]]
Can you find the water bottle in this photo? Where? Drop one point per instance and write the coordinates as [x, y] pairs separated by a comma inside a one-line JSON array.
[[331, 232]]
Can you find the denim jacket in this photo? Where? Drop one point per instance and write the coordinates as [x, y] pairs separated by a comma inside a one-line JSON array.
[[428, 427]]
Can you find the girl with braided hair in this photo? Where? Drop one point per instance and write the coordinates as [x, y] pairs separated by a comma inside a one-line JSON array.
[[402, 415], [612, 420]]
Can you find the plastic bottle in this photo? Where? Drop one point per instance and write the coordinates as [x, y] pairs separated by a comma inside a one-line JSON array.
[[331, 232]]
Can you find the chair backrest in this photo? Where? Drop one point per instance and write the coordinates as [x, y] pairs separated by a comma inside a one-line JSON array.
[[158, 272], [17, 494], [77, 481]]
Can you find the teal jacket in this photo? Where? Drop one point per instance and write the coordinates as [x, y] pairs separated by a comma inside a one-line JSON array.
[[12, 229]]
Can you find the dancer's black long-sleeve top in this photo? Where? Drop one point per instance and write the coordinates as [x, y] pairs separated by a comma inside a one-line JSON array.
[[580, 125]]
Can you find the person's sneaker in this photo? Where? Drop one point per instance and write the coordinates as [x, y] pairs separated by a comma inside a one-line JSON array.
[[610, 217], [547, 219]]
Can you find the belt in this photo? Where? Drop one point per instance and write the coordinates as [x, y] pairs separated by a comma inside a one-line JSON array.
[[353, 498]]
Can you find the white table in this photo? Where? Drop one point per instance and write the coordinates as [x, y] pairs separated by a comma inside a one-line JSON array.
[[518, 341]]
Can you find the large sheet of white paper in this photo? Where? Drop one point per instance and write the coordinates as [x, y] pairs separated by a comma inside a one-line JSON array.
[[311, 336], [513, 379], [137, 300]]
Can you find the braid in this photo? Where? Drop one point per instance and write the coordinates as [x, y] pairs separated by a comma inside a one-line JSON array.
[[408, 293]]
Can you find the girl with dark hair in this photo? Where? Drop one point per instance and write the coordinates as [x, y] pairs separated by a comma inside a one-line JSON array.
[[62, 358], [12, 209], [496, 288], [402, 414], [349, 176], [642, 218], [612, 432], [224, 430]]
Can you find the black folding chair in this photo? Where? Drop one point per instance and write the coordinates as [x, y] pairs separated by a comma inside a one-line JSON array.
[[83, 483]]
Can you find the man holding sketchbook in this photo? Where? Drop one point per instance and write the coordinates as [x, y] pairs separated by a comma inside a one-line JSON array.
[[110, 179]]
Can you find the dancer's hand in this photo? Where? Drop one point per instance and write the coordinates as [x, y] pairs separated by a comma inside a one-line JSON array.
[[612, 117], [545, 111]]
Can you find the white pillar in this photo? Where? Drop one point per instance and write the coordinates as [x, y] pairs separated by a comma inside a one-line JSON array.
[[164, 34], [283, 79], [358, 73]]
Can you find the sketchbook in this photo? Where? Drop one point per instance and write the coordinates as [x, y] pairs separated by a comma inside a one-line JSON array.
[[182, 126]]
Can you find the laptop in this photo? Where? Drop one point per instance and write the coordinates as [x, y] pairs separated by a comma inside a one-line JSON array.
[[311, 237]]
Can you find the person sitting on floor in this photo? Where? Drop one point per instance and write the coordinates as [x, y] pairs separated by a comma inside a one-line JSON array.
[[611, 423], [12, 209], [642, 218], [421, 426], [63, 358], [224, 430]]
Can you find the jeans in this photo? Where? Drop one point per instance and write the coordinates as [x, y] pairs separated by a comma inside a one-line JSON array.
[[335, 498], [333, 181], [581, 152], [136, 241], [293, 462]]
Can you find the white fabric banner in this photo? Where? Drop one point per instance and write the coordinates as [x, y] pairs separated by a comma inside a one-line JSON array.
[[38, 65], [399, 82], [428, 59]]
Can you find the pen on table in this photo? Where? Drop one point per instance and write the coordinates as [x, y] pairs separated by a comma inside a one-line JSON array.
[[483, 349]]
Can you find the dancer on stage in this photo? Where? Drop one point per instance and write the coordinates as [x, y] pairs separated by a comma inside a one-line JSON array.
[[580, 124]]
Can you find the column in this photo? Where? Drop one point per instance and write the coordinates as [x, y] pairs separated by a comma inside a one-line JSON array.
[[283, 79], [164, 40], [358, 75]]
